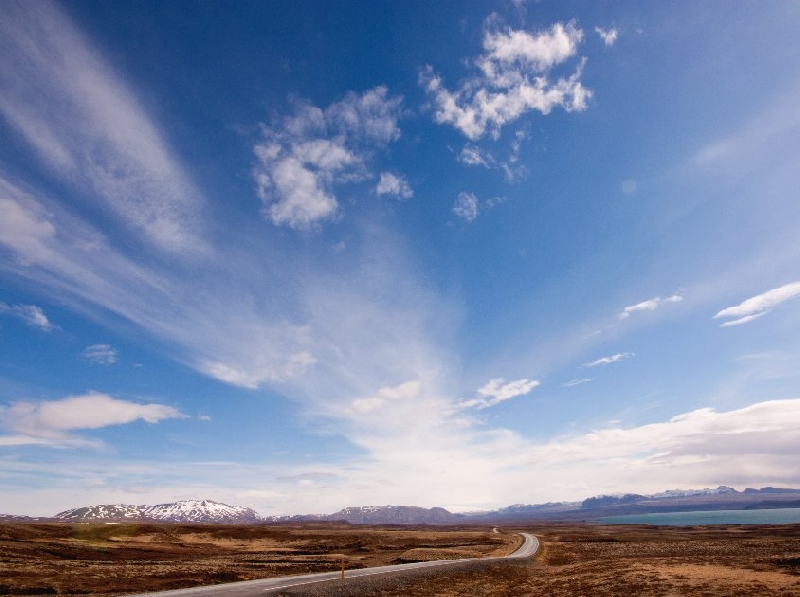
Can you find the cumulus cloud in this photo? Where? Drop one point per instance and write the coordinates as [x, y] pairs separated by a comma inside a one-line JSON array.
[[466, 206], [392, 184], [612, 359], [102, 354], [513, 78], [472, 155], [50, 421], [649, 305], [30, 314], [609, 36], [88, 128], [759, 305], [304, 157]]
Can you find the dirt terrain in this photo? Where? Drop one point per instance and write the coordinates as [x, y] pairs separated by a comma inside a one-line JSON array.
[[576, 559]]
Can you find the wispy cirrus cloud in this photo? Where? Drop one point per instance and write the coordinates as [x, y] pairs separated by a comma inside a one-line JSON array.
[[615, 358], [649, 305], [30, 314], [759, 305], [102, 354], [499, 390], [50, 422], [513, 79], [88, 128], [304, 157], [473, 155]]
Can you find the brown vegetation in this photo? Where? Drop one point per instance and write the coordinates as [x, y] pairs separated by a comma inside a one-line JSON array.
[[106, 559], [576, 559]]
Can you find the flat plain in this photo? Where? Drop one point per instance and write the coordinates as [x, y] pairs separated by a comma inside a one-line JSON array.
[[575, 559]]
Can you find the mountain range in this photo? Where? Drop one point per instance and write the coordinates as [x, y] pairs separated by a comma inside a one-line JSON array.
[[205, 511], [208, 511]]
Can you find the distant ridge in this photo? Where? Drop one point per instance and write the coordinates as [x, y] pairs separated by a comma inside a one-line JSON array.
[[380, 515], [672, 500]]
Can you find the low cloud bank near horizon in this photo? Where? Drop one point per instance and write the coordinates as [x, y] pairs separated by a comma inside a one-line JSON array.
[[750, 446]]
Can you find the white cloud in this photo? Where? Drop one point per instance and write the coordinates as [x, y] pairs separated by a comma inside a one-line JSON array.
[[609, 36], [513, 80], [303, 158], [30, 314], [88, 128], [608, 360], [391, 184], [25, 228], [466, 206], [576, 382], [754, 445], [498, 390], [759, 305], [102, 354], [472, 155], [49, 422], [649, 305], [385, 397]]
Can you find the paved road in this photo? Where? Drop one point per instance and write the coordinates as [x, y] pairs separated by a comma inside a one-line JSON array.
[[264, 586]]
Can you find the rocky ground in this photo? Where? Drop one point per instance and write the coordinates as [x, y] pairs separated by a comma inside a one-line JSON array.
[[576, 559]]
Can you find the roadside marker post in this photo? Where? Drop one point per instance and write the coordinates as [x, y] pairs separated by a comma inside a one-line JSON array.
[[342, 568]]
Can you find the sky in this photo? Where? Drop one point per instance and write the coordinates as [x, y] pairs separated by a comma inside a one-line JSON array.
[[306, 255]]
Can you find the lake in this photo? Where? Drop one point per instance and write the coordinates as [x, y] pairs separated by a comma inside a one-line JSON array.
[[677, 519]]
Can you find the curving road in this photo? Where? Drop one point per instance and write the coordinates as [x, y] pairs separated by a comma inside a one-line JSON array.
[[264, 586]]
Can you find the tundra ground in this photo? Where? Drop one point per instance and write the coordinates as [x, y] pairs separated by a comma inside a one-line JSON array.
[[575, 559]]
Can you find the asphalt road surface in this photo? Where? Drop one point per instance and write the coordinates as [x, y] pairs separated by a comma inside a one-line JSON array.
[[265, 586]]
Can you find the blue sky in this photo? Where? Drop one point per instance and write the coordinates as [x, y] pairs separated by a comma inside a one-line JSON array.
[[306, 255]]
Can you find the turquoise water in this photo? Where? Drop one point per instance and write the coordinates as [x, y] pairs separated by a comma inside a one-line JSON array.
[[677, 519]]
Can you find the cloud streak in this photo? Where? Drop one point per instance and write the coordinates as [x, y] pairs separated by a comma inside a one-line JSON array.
[[30, 314], [102, 354], [49, 422], [649, 305], [88, 128], [499, 390], [759, 305], [615, 358]]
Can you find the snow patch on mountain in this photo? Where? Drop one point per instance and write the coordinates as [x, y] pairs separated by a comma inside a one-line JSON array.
[[674, 493]]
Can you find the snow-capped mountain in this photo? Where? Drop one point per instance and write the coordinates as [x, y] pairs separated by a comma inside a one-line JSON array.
[[183, 511], [675, 493]]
